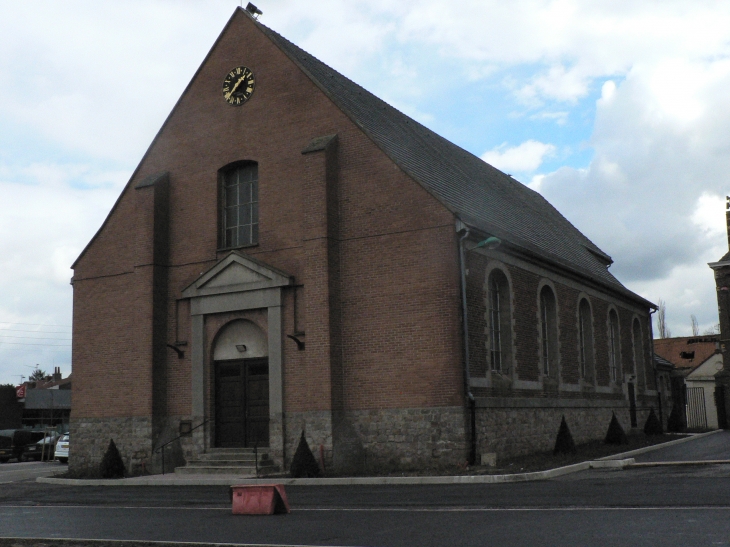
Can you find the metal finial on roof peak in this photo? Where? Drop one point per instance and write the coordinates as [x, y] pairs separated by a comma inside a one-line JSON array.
[[253, 10]]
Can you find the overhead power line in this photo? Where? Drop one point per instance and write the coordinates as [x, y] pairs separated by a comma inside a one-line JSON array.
[[33, 324], [34, 337], [4, 349], [46, 345], [5, 329]]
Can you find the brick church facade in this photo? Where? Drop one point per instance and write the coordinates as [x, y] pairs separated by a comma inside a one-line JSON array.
[[293, 254]]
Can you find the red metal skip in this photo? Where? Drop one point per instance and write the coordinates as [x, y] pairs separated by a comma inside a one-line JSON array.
[[259, 499]]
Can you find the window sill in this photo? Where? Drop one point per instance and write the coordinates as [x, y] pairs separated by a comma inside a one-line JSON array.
[[229, 249]]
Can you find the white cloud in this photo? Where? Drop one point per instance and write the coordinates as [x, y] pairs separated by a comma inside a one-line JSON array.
[[651, 196], [525, 158], [708, 218], [46, 219], [559, 117], [555, 83], [608, 90]]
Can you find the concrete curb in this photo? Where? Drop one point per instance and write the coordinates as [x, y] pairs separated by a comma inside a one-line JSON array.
[[227, 480], [654, 447], [616, 461]]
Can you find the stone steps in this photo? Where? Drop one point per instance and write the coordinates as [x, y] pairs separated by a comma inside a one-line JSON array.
[[229, 461], [210, 470]]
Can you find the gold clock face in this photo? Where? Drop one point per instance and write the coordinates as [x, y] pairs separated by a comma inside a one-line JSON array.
[[238, 86]]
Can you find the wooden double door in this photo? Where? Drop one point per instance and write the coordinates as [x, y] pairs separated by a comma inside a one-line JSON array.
[[242, 403]]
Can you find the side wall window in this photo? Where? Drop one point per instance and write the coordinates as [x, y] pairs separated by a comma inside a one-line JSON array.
[[585, 340], [500, 322], [548, 331], [613, 346], [239, 206]]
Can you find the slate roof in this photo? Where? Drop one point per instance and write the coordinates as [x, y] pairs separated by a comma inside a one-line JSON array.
[[659, 360], [480, 195]]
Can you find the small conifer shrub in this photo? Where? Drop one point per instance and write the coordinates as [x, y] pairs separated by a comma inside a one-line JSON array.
[[304, 464], [653, 426], [112, 465], [615, 434], [674, 422], [564, 442]]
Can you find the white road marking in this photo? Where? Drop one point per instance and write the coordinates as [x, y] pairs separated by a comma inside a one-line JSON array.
[[397, 509]]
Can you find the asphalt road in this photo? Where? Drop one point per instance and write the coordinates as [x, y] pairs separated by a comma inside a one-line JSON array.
[[683, 506], [687, 506], [710, 447]]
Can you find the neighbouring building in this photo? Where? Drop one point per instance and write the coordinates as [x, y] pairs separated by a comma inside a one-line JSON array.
[[721, 270], [46, 402], [696, 360], [294, 254], [11, 411], [664, 371]]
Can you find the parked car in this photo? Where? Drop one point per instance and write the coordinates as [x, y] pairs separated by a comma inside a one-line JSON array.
[[62, 449], [14, 441], [35, 451]]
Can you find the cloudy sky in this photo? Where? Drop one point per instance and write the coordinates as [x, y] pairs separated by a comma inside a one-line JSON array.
[[616, 111]]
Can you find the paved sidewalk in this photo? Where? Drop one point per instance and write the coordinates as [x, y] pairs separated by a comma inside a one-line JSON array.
[[617, 461]]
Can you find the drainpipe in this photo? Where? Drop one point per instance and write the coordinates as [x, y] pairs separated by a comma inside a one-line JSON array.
[[467, 377], [653, 366]]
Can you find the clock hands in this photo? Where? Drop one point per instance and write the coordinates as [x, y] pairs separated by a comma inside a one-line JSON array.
[[228, 95]]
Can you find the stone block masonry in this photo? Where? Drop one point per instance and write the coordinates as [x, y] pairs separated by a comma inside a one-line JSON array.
[[89, 440], [511, 432], [382, 439]]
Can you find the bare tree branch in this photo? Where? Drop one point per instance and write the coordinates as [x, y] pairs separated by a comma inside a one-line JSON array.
[[661, 317]]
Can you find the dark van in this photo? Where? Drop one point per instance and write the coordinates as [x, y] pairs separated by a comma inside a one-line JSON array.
[[14, 441]]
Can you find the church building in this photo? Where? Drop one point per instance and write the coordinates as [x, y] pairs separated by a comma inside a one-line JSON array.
[[292, 254]]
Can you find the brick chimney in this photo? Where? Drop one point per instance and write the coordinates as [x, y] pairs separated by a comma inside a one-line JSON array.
[[57, 370]]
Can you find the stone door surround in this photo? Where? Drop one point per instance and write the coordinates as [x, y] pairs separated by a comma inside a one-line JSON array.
[[239, 283]]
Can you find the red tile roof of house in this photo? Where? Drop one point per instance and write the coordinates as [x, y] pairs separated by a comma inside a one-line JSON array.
[[687, 352]]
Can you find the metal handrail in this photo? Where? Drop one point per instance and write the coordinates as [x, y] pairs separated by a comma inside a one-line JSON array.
[[161, 448]]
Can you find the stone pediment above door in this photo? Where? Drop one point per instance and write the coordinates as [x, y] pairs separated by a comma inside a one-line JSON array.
[[237, 273]]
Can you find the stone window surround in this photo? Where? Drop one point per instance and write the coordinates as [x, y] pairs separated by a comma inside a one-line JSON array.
[[590, 360], [265, 294], [614, 347], [221, 214], [508, 345], [553, 353]]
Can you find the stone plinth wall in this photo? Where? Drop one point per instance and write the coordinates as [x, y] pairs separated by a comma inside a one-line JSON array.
[[412, 437], [90, 440], [317, 427], [510, 432], [371, 440]]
